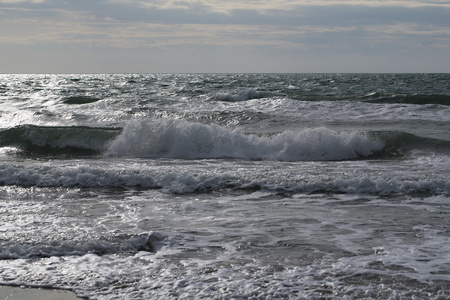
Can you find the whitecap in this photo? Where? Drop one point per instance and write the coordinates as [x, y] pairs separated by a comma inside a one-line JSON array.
[[171, 138]]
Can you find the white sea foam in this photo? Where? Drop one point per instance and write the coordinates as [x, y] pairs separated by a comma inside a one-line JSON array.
[[251, 245], [173, 138], [258, 216], [179, 177]]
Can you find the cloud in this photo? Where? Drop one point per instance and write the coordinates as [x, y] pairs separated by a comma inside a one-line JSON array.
[[262, 27], [19, 1], [267, 5]]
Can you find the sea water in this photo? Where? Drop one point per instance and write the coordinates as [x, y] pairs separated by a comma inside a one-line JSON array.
[[226, 186]]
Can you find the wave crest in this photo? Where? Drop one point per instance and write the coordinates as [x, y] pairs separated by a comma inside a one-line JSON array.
[[170, 138]]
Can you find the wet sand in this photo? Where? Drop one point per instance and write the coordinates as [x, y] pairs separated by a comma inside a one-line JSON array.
[[25, 293]]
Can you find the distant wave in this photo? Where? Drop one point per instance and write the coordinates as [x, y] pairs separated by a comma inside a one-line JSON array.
[[409, 99], [80, 100], [170, 138], [241, 96]]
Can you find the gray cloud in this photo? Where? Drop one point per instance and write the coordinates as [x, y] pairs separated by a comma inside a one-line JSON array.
[[316, 30]]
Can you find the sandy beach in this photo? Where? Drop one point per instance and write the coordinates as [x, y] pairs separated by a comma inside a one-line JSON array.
[[19, 293]]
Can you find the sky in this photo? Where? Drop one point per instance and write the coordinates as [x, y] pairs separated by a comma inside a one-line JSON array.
[[190, 36]]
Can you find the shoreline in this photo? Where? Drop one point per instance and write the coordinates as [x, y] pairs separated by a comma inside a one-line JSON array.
[[33, 293]]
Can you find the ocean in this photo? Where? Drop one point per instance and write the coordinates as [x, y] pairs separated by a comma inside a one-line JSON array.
[[226, 186]]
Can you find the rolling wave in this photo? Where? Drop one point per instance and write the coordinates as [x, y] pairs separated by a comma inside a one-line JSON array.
[[209, 176], [179, 139], [170, 138], [400, 143], [80, 100], [44, 140], [409, 99]]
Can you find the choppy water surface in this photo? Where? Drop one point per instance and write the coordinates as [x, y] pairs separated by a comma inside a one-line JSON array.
[[226, 186]]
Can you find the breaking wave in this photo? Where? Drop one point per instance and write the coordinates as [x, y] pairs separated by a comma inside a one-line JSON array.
[[170, 138], [179, 139], [208, 176]]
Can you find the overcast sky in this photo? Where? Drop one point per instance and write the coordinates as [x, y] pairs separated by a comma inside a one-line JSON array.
[[139, 36]]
